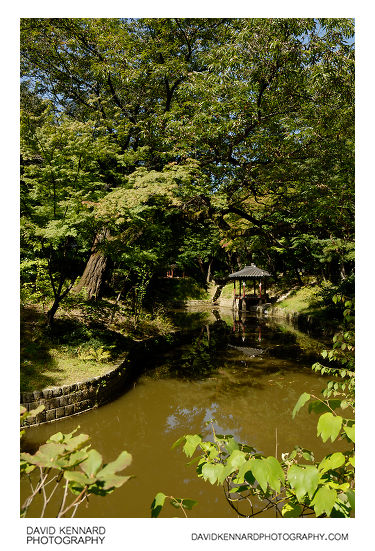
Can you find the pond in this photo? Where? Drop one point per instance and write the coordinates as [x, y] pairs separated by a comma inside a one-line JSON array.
[[244, 374]]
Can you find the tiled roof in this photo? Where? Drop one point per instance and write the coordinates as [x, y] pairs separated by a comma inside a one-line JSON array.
[[249, 271]]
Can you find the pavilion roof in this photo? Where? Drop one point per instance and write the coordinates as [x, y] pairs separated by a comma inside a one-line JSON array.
[[248, 272]]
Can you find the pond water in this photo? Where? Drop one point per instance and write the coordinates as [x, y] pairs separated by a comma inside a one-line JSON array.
[[246, 375]]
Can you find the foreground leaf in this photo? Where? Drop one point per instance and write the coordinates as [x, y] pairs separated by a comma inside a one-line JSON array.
[[305, 397], [157, 504], [329, 426], [324, 501], [304, 480]]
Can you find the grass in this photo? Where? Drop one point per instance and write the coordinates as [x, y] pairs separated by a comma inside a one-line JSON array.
[[85, 342], [303, 300], [74, 351]]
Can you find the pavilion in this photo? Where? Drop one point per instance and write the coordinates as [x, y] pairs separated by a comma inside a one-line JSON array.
[[243, 300]]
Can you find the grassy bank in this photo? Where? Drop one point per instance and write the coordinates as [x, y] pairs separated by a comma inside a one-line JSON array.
[[84, 343]]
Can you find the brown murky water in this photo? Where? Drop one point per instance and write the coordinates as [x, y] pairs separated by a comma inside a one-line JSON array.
[[246, 376]]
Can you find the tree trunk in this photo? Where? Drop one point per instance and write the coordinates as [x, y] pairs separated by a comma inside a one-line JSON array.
[[52, 311], [93, 275], [208, 278]]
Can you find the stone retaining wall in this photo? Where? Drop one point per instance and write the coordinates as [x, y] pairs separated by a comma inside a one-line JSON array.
[[67, 400]]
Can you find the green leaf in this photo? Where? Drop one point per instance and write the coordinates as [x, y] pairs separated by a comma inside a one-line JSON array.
[[236, 458], [78, 477], [46, 455], [275, 473], [58, 437], [260, 470], [68, 461], [228, 469], [184, 503], [76, 442], [350, 432], [321, 407], [304, 480], [305, 397], [329, 426], [291, 510], [34, 412], [351, 498], [188, 503], [324, 501], [157, 504], [244, 468], [333, 461], [191, 442], [211, 471], [119, 464], [92, 464], [231, 445], [112, 480], [178, 442]]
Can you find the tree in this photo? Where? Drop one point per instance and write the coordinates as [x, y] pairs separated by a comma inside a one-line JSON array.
[[263, 107], [61, 180]]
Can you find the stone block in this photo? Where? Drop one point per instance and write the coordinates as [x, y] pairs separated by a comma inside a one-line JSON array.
[[57, 391], [60, 412], [37, 394], [51, 415], [69, 410], [78, 407], [26, 397], [47, 393], [41, 417], [78, 395], [63, 400]]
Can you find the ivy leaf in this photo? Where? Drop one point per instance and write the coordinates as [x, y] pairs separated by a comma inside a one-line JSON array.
[[304, 480], [260, 470], [332, 461], [305, 397], [324, 501], [329, 426], [157, 504]]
